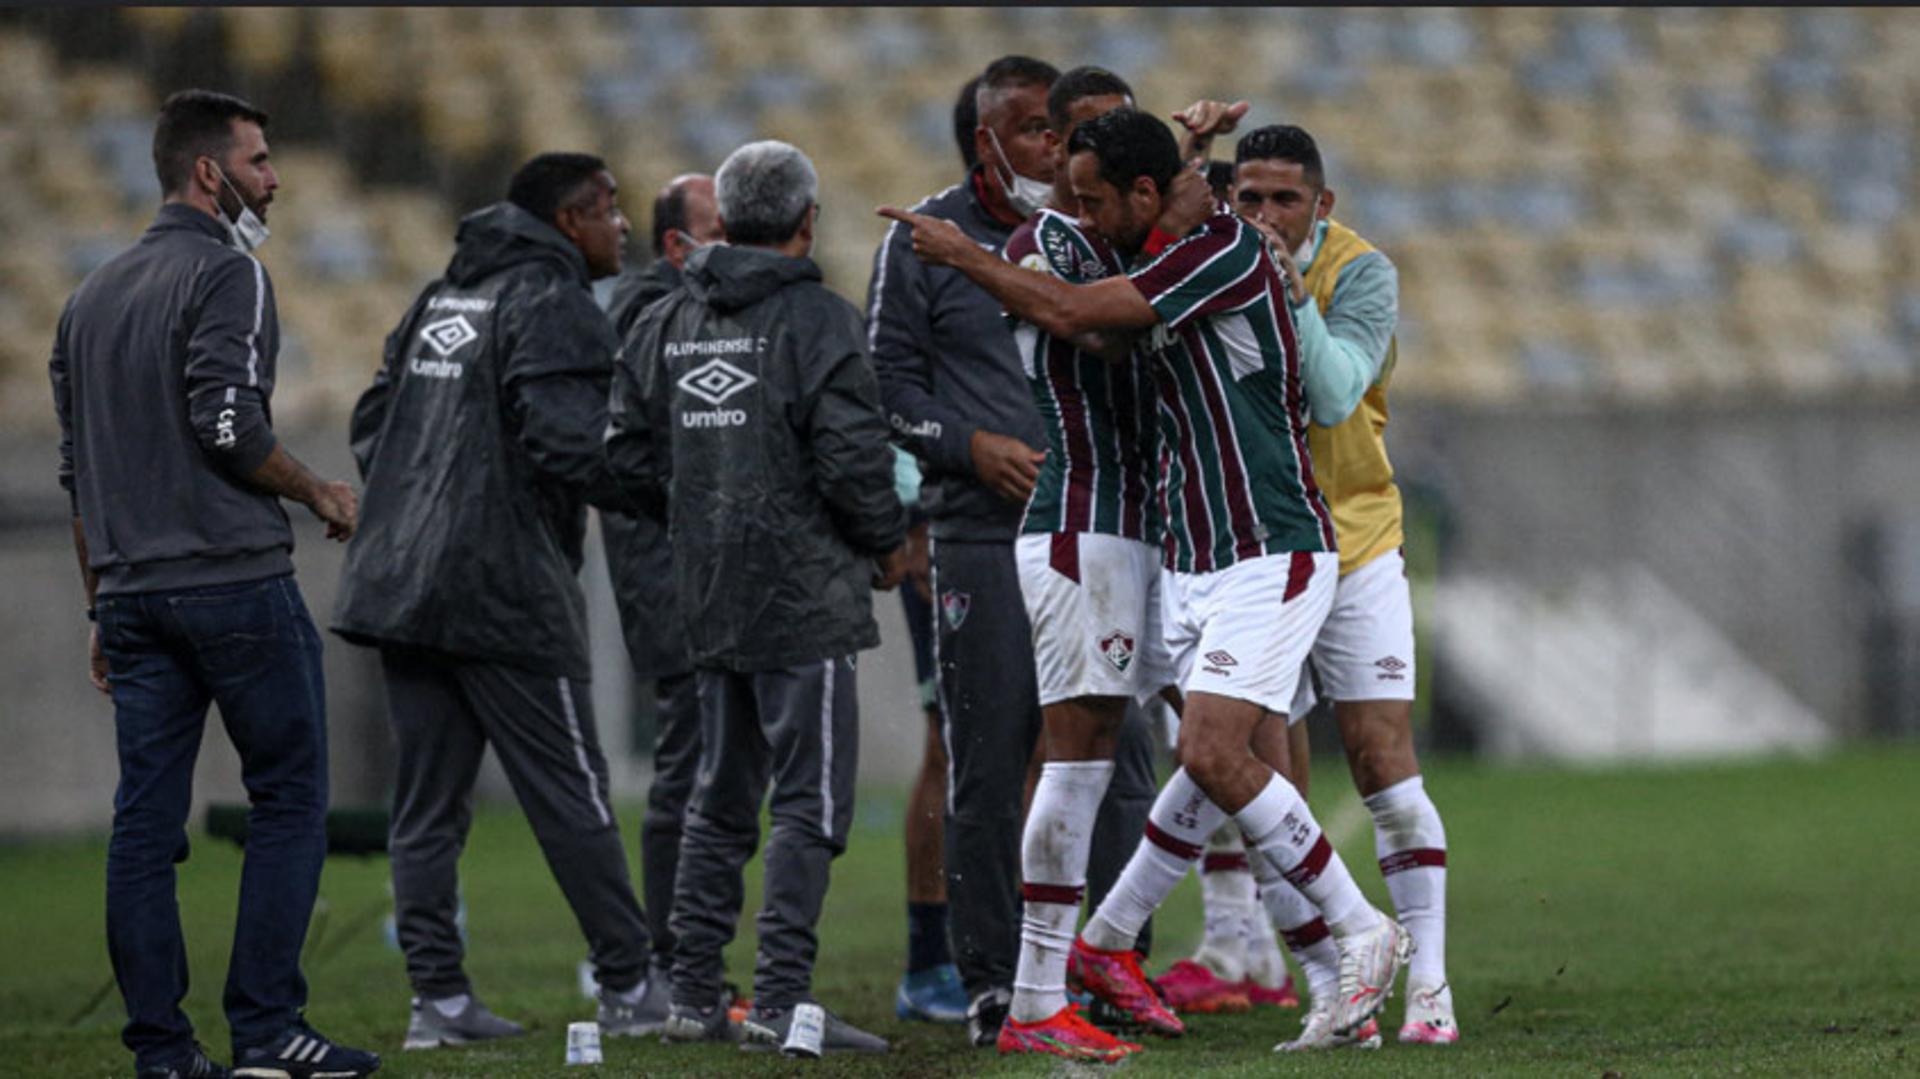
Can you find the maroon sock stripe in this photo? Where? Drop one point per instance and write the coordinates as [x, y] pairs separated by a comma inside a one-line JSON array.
[[1306, 936], [1417, 858], [1309, 868], [1173, 844], [1225, 863], [1067, 895]]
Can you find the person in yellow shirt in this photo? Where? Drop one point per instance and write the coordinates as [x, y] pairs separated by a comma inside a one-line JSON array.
[[1345, 296]]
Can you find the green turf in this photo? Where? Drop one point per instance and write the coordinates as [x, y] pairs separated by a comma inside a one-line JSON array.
[[1754, 918]]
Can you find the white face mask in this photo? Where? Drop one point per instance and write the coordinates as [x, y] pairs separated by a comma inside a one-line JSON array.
[[1026, 195], [247, 230], [1304, 253]]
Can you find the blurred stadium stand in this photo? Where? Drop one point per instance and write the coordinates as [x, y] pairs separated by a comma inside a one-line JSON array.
[[1678, 247], [1594, 206]]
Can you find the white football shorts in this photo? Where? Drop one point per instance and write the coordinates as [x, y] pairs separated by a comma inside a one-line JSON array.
[[1365, 650], [1244, 631], [1094, 602]]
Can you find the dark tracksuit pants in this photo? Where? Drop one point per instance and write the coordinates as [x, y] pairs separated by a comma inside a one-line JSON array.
[[445, 711], [990, 721], [797, 727], [676, 763]]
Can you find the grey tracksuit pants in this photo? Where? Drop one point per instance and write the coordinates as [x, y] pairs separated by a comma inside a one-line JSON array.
[[798, 728], [990, 721], [445, 711], [676, 762]]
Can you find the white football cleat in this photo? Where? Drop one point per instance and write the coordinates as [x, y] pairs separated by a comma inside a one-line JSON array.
[[1316, 1032], [1430, 1016], [1369, 963]]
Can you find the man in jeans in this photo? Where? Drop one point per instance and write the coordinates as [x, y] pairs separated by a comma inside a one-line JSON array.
[[162, 371], [744, 408]]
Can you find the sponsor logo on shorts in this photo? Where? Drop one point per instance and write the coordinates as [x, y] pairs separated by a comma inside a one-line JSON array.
[[1391, 669], [1117, 648], [1218, 661], [955, 605]]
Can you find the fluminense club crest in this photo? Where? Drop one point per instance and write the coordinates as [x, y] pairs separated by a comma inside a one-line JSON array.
[[955, 605], [1117, 649]]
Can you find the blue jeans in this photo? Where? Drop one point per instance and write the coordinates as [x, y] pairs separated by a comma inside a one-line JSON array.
[[253, 648]]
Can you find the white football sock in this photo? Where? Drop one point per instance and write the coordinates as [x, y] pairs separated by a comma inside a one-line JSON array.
[[1053, 871], [1279, 825], [1266, 965], [1412, 847], [1158, 863], [1306, 933], [1227, 895]]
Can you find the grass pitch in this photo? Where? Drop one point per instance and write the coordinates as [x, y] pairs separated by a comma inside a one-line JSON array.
[[1751, 918]]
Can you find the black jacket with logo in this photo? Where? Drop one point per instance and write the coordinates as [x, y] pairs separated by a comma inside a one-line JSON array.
[[639, 559], [744, 406], [480, 445], [162, 369], [948, 366]]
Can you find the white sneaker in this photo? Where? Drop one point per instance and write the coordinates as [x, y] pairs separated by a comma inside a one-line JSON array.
[[1316, 1032], [1430, 1016], [1369, 963]]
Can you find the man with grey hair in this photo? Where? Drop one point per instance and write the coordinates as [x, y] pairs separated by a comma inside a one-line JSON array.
[[745, 413]]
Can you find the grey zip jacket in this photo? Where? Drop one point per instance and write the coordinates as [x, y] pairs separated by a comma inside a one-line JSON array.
[[744, 408], [479, 442], [948, 366], [162, 370]]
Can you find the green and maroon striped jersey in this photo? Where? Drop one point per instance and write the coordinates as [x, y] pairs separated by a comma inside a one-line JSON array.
[[1099, 415], [1236, 481]]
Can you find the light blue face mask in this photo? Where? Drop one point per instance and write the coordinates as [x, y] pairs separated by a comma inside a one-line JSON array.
[[1026, 195], [247, 230]]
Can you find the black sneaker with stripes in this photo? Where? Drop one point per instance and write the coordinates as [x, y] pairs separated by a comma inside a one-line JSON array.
[[303, 1053]]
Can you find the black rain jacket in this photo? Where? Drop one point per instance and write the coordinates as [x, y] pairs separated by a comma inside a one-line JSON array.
[[639, 560], [480, 445], [745, 408]]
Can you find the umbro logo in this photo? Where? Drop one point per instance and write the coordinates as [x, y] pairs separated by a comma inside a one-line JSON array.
[[715, 381], [449, 334], [1220, 657], [1390, 669]]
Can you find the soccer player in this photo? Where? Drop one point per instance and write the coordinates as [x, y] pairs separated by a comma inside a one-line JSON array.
[[1088, 558], [1249, 540], [1345, 297]]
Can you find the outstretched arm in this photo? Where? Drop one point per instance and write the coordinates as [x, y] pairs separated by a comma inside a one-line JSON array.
[[1058, 308]]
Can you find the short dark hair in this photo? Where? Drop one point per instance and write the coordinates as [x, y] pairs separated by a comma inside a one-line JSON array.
[[1282, 142], [195, 124], [1220, 178], [1081, 82], [966, 117], [669, 213], [1128, 144], [1013, 71], [551, 181]]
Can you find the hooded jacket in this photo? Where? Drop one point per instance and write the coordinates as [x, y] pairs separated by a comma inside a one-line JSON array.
[[639, 559], [479, 442], [745, 408]]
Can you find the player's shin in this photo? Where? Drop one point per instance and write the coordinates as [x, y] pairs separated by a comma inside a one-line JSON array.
[[1177, 829], [1280, 827], [1053, 862], [1227, 896], [1305, 932], [1412, 847]]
